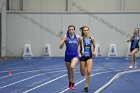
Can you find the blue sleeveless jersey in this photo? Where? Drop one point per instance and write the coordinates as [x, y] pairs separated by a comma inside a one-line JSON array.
[[135, 42], [87, 47], [71, 46]]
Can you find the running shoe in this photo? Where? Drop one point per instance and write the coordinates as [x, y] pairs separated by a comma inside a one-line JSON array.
[[69, 84], [131, 67], [72, 86], [86, 89]]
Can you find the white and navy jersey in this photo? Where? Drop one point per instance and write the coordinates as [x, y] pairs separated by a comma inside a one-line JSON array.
[[87, 47], [135, 42], [71, 46]]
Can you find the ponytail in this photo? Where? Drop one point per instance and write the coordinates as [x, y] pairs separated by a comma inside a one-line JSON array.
[[67, 33], [81, 29]]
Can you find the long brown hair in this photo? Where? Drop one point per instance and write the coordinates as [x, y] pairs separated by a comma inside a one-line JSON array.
[[68, 29], [82, 29]]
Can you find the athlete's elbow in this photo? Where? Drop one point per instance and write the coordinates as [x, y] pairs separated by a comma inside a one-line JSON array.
[[60, 47]]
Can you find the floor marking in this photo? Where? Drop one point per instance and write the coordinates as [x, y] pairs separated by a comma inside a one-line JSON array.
[[114, 78], [44, 83], [41, 70], [26, 79], [91, 76]]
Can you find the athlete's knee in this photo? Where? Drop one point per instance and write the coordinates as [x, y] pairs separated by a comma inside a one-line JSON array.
[[82, 73], [132, 54], [88, 73], [69, 72], [72, 67]]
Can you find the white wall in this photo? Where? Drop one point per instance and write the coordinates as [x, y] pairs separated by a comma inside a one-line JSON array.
[[96, 5], [38, 29], [44, 5], [132, 5], [63, 5], [14, 5]]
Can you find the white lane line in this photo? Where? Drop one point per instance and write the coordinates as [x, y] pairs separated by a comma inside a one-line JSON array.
[[28, 69], [27, 79], [32, 76], [85, 79], [114, 78], [50, 82], [17, 68], [95, 70], [58, 71], [20, 81], [42, 70], [44, 83], [30, 72]]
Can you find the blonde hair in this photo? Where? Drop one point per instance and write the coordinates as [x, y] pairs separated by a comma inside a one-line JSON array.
[[136, 31]]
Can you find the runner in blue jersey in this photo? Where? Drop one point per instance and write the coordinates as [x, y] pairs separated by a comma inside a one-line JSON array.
[[87, 50], [71, 53], [134, 48]]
